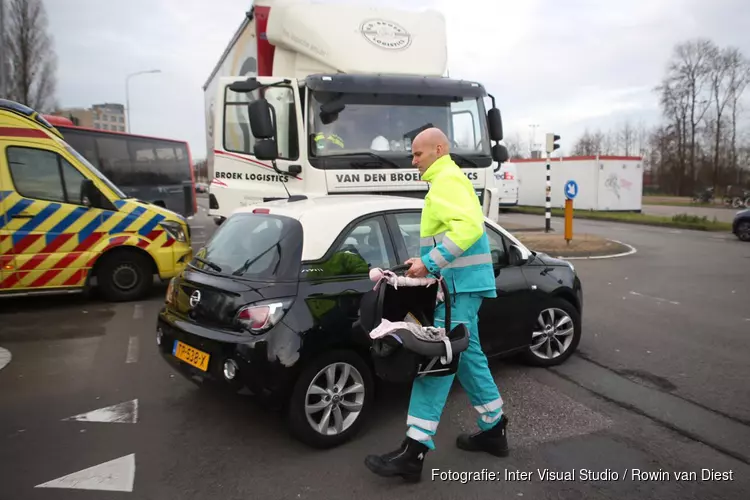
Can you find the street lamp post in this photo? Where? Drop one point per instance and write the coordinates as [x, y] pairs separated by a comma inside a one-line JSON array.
[[127, 91]]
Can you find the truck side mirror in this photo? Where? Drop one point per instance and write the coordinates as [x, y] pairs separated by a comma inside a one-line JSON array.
[[495, 124], [265, 149], [261, 119], [500, 153]]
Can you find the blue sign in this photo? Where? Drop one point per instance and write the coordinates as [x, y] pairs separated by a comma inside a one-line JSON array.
[[571, 189]]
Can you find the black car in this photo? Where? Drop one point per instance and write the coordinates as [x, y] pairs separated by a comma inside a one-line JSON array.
[[741, 225], [272, 302]]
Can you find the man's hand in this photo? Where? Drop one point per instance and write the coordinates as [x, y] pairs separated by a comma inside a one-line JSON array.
[[417, 269]]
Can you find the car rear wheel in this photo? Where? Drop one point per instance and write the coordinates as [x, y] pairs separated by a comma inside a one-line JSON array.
[[555, 333], [743, 231], [331, 399]]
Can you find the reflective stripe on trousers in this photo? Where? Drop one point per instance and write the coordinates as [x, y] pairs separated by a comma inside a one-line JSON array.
[[430, 393]]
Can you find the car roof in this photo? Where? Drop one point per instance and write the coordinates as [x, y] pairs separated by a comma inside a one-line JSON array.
[[324, 217]]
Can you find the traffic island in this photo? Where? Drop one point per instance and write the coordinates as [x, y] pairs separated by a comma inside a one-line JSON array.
[[581, 246]]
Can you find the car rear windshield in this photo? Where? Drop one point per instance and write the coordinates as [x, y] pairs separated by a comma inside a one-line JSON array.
[[254, 246]]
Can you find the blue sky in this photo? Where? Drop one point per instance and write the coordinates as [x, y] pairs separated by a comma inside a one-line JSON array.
[[563, 65]]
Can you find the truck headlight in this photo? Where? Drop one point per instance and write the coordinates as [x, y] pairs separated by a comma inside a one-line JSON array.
[[175, 230]]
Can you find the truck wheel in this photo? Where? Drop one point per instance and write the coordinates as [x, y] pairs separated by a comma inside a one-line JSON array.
[[331, 399], [124, 275]]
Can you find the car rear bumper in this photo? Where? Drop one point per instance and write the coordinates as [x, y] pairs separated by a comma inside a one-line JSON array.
[[234, 361]]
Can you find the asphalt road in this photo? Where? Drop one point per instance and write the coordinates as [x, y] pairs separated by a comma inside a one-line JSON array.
[[674, 314], [720, 214]]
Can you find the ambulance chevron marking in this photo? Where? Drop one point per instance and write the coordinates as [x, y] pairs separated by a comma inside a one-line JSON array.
[[35, 221], [150, 225], [128, 220], [4, 194], [62, 264], [24, 242], [92, 226], [15, 210], [64, 224]]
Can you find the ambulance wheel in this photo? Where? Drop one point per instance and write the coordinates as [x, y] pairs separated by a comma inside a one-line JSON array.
[[331, 399], [124, 275]]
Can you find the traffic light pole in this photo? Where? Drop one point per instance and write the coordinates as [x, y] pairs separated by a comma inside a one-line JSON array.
[[548, 200]]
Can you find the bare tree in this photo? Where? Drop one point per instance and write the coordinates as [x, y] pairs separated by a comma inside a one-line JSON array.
[[739, 78], [689, 74], [33, 63], [721, 92], [515, 146]]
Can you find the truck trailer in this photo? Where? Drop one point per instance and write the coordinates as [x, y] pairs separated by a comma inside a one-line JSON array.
[[347, 89], [605, 183]]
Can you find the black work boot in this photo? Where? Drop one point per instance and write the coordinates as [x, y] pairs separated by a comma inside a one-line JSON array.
[[405, 462], [493, 441]]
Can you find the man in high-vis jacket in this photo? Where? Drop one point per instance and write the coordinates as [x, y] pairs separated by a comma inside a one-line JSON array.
[[454, 246]]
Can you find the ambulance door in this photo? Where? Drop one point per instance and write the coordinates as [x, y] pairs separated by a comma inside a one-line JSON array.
[[46, 219], [6, 247]]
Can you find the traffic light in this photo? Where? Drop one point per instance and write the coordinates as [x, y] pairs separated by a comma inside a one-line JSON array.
[[552, 143]]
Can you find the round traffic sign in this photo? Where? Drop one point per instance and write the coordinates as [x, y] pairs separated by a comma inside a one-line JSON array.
[[571, 189]]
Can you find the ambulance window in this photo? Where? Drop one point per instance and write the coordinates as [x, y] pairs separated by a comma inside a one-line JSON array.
[[73, 180], [36, 173]]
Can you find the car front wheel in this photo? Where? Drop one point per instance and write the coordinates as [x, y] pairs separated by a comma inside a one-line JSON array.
[[743, 231], [556, 332], [331, 399]]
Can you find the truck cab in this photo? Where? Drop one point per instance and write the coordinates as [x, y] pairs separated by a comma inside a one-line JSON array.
[[64, 226], [348, 89]]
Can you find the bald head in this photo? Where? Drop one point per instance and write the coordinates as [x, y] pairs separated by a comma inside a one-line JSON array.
[[428, 146]]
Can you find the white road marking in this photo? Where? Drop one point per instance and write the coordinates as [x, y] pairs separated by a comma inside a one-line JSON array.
[[658, 299], [138, 311], [115, 475], [132, 356], [5, 357], [623, 254], [122, 413]]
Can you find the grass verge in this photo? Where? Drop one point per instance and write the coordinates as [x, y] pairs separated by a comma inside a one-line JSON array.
[[679, 221]]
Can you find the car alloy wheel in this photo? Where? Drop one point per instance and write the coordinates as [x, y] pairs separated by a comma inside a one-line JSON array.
[[553, 333], [334, 399], [743, 231]]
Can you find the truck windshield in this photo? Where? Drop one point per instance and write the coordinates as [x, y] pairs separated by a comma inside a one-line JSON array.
[[387, 124]]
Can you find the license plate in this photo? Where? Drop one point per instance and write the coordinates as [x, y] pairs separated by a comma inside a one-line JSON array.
[[190, 355]]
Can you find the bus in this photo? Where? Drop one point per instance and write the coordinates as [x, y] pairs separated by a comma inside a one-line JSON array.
[[157, 171]]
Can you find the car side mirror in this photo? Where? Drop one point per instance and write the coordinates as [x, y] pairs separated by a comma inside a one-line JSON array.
[[91, 197], [497, 260], [262, 121], [517, 256]]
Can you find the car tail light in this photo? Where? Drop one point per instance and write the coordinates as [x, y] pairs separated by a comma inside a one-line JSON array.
[[260, 317], [261, 211]]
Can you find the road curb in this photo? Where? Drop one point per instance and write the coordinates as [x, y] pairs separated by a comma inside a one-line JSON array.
[[5, 358], [612, 256]]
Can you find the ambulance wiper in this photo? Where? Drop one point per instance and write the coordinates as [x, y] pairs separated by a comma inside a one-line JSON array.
[[365, 153]]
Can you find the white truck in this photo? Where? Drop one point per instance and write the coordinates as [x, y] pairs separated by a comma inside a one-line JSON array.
[[335, 95]]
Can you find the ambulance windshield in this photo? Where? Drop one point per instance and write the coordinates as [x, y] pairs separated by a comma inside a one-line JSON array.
[[93, 169]]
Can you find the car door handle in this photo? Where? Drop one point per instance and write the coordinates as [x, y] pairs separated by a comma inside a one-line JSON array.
[[23, 216]]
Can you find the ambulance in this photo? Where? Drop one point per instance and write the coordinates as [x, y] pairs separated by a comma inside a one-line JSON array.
[[64, 227]]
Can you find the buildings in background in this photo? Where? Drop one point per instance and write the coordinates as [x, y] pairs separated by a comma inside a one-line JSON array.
[[107, 116]]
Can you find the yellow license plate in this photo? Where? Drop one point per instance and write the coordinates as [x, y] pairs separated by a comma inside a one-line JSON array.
[[191, 355]]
